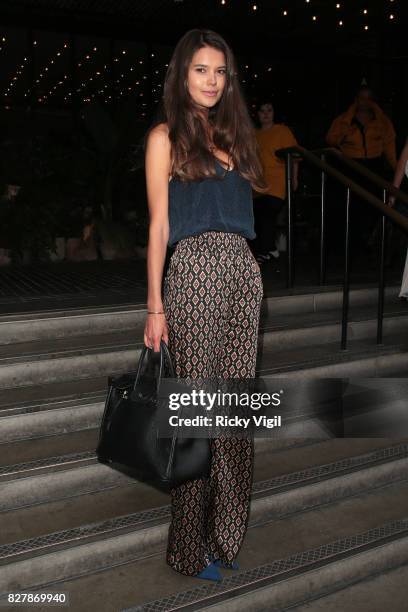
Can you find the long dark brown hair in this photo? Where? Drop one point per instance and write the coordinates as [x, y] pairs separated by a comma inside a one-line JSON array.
[[229, 120]]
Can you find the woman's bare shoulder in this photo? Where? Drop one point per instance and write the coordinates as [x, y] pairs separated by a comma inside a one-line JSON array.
[[160, 131]]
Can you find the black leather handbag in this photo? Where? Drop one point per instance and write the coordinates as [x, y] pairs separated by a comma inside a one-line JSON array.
[[128, 438]]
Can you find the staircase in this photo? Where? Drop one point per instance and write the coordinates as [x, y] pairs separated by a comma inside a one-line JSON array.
[[329, 517]]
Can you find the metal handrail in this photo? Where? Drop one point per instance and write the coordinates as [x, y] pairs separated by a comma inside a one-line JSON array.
[[290, 153], [399, 219], [374, 178]]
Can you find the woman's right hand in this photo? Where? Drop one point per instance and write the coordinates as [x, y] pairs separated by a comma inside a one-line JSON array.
[[155, 330]]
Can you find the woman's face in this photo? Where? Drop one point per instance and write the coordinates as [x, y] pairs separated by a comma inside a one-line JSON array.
[[207, 76], [265, 114]]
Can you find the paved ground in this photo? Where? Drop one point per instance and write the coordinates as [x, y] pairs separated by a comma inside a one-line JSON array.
[[60, 285]]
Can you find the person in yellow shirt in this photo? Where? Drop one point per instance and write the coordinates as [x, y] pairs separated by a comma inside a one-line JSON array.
[[271, 136], [363, 133]]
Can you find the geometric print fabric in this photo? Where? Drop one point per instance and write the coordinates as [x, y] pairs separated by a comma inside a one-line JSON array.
[[212, 297]]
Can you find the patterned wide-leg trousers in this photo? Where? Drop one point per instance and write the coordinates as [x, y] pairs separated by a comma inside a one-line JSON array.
[[212, 298]]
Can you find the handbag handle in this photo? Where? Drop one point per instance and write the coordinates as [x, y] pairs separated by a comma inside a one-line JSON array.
[[164, 356]]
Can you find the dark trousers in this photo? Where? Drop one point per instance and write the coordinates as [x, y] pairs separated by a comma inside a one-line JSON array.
[[266, 209], [212, 298]]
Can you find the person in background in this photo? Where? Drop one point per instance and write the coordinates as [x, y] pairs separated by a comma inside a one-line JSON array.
[[271, 136], [365, 134], [401, 169]]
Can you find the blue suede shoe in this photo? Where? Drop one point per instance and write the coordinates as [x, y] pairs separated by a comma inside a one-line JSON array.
[[210, 573], [218, 563]]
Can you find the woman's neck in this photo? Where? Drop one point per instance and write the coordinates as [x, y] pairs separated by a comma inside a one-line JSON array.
[[266, 126]]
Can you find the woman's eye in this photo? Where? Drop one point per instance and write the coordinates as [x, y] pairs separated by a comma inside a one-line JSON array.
[[221, 71]]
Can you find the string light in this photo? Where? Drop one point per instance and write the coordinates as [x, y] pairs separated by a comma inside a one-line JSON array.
[[15, 77], [124, 84], [46, 68]]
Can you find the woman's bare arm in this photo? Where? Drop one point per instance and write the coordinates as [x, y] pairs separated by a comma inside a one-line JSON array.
[[399, 171], [157, 168]]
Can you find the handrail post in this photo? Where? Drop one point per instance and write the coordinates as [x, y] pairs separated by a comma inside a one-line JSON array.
[[289, 191], [322, 274], [381, 283], [346, 282]]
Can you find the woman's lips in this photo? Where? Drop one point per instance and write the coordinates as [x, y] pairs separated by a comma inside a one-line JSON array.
[[210, 94]]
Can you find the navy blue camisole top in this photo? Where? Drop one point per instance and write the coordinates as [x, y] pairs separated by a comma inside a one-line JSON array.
[[211, 204]]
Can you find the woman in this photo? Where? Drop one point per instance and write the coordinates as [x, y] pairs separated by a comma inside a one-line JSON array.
[[271, 136], [402, 167], [200, 165]]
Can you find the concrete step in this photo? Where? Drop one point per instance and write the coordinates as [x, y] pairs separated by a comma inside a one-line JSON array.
[[62, 555], [385, 591], [50, 418], [38, 471], [297, 330], [70, 412], [284, 560], [54, 324], [45, 478], [78, 357], [44, 450], [361, 358], [46, 469], [301, 558]]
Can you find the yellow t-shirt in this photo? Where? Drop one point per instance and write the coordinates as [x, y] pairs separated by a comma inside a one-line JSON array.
[[270, 140]]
